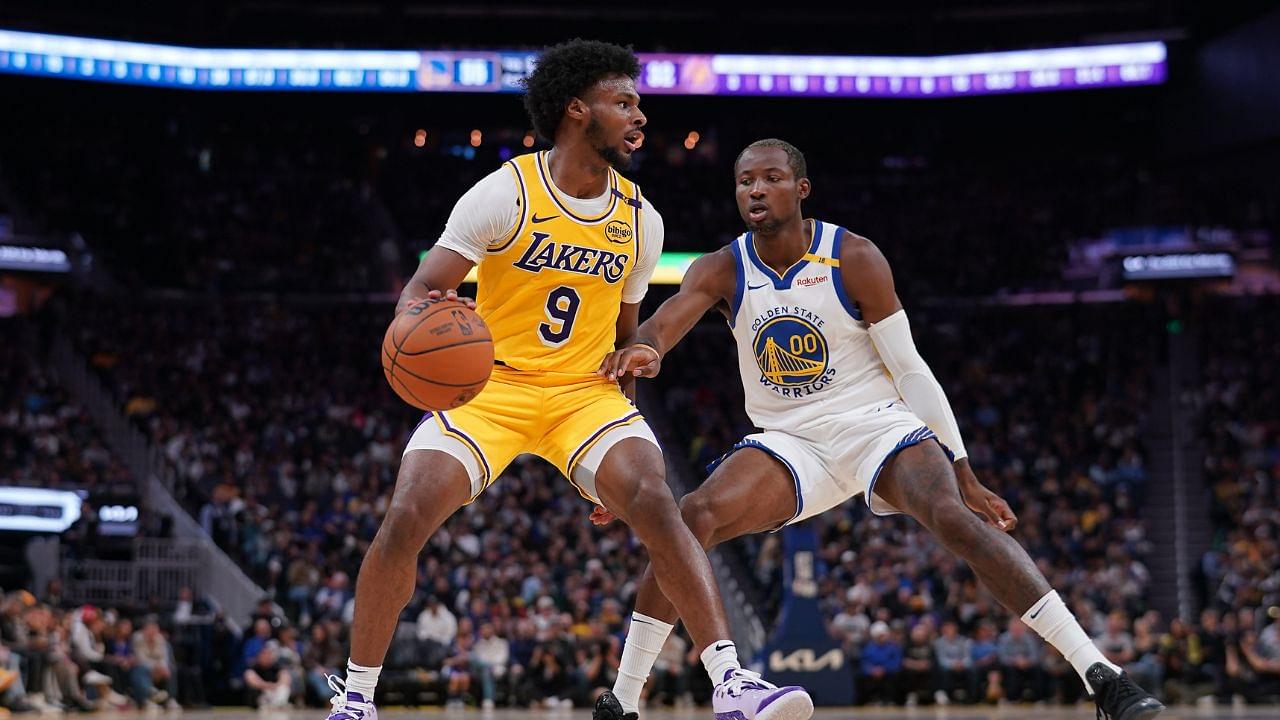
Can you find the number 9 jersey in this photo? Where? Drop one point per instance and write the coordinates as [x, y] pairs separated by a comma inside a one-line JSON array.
[[552, 273]]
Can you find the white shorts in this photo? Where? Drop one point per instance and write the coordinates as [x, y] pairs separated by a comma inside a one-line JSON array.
[[842, 457]]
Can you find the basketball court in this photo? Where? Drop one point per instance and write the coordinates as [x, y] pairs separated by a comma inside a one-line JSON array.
[[1082, 712]]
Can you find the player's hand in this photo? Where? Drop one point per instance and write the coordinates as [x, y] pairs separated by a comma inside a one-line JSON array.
[[601, 517], [637, 360], [990, 506], [436, 296]]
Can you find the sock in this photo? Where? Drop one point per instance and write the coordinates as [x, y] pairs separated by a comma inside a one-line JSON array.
[[1051, 619], [719, 658], [362, 680], [645, 639]]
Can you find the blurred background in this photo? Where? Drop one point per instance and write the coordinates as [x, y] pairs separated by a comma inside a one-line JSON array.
[[199, 256]]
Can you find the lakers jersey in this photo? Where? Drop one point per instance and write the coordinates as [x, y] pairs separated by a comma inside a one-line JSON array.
[[550, 291], [803, 350]]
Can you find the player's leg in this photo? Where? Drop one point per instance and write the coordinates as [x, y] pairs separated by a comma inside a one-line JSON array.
[[750, 492], [430, 487], [630, 481], [919, 481]]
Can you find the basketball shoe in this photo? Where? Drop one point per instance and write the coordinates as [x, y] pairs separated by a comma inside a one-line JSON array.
[[742, 695], [1118, 698], [349, 705]]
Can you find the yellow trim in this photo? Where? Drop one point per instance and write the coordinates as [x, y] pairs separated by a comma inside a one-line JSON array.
[[821, 260]]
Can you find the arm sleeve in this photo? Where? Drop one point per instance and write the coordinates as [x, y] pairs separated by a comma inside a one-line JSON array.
[[915, 381], [485, 214], [651, 236]]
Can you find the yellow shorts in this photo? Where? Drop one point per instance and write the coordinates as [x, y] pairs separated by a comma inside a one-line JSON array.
[[570, 420]]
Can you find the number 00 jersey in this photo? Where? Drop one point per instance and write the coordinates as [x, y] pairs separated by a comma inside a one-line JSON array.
[[803, 350], [550, 289]]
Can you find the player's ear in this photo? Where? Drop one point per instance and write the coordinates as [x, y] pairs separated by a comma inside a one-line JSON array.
[[577, 108], [804, 187]]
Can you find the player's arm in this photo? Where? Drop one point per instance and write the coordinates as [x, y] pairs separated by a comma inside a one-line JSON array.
[[485, 213], [438, 276], [869, 282], [709, 281], [628, 321]]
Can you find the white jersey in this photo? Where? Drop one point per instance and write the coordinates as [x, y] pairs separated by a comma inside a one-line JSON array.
[[803, 350]]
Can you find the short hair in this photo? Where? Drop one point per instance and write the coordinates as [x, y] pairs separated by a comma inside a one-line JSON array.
[[566, 71], [795, 158]]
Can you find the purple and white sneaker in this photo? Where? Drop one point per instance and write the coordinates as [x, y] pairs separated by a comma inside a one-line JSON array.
[[348, 704], [744, 696]]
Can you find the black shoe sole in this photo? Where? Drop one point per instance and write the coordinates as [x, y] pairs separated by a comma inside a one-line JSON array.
[[1142, 713]]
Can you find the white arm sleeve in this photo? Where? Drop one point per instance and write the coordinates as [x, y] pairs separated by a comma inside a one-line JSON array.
[[915, 381], [651, 237], [485, 214]]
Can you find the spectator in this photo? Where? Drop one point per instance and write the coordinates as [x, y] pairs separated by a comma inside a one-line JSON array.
[[986, 664], [1020, 656], [323, 657], [489, 661], [919, 668], [881, 665], [155, 656], [955, 664], [267, 685], [436, 623]]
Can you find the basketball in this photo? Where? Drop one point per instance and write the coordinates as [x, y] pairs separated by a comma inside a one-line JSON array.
[[437, 354]]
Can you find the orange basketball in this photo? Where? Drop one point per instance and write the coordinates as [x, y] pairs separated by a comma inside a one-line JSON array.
[[437, 354]]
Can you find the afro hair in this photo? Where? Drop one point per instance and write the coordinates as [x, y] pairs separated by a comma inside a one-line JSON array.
[[566, 71]]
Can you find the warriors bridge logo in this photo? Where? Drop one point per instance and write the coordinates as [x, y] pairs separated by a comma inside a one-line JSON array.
[[793, 356]]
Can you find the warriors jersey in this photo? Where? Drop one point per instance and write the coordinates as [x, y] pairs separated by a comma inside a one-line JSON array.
[[803, 350], [550, 285]]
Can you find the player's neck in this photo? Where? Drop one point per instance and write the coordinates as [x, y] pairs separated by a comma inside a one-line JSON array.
[[784, 248], [578, 170]]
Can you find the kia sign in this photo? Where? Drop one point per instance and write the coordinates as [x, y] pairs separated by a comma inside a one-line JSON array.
[[800, 651]]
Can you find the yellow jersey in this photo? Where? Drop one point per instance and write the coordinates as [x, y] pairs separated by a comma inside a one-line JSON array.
[[550, 291]]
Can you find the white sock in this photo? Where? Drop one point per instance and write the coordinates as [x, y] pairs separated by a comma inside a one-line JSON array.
[[645, 639], [363, 680], [719, 658], [1051, 619]]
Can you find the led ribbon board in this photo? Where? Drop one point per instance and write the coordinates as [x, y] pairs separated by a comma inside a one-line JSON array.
[[501, 71]]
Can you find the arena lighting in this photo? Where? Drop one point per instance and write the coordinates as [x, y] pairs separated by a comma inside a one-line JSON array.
[[669, 271], [27, 509], [34, 259], [491, 71]]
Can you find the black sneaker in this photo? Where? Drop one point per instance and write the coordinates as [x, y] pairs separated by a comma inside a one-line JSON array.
[[1118, 698], [608, 708]]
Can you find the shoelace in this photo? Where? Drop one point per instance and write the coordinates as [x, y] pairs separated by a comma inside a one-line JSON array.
[[743, 680], [340, 703], [1116, 695]]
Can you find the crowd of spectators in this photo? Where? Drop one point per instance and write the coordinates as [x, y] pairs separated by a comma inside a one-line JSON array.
[[1234, 403], [285, 440], [46, 440]]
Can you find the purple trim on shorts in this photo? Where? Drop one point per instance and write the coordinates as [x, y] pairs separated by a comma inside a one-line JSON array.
[[574, 458], [732, 715], [915, 437], [475, 447]]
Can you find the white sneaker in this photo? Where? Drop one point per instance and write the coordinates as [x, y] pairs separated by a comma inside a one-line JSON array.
[[486, 705], [93, 677], [940, 697], [742, 695]]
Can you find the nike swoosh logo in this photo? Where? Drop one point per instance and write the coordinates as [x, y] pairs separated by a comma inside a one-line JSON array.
[[537, 219], [1039, 610], [756, 287], [722, 646]]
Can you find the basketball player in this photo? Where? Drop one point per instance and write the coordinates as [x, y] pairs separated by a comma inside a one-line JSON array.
[[565, 247], [817, 323]]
